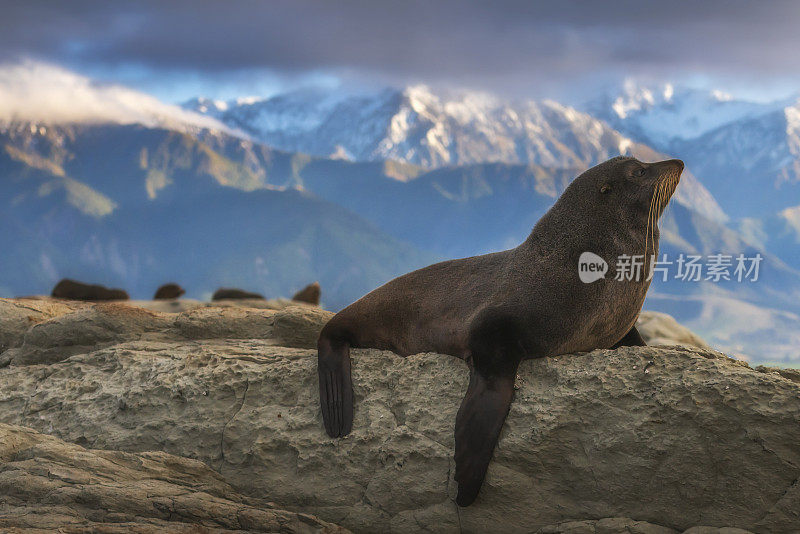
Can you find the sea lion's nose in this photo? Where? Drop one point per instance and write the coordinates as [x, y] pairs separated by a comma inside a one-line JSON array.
[[678, 163]]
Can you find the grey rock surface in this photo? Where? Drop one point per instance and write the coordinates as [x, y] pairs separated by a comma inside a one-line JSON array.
[[48, 485], [17, 316], [673, 437], [45, 331], [612, 525], [624, 525], [659, 328]]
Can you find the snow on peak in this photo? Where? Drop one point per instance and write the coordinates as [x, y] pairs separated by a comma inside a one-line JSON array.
[[425, 126], [635, 97], [721, 96], [207, 106], [662, 113], [669, 91], [42, 93]]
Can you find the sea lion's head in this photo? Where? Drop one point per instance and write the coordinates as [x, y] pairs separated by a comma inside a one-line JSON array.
[[629, 189], [631, 185], [622, 193]]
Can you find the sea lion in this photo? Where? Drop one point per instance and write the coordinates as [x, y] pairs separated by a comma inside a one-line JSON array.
[[309, 294], [74, 290], [498, 309], [169, 291], [230, 293]]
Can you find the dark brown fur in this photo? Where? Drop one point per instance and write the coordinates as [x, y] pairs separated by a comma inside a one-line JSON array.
[[309, 294], [498, 309], [169, 291], [73, 290], [229, 293]]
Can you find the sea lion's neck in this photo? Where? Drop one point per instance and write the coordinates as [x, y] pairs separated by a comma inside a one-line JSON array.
[[571, 231]]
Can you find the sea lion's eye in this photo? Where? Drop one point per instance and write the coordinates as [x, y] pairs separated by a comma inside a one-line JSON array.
[[639, 172], [605, 188]]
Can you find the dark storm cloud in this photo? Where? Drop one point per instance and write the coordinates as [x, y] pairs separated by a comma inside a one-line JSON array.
[[498, 41]]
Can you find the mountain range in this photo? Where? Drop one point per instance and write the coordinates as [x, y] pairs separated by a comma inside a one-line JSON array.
[[746, 153], [349, 188]]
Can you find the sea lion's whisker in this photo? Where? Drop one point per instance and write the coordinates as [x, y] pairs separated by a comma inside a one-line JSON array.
[[658, 193], [649, 214], [657, 212], [652, 218]]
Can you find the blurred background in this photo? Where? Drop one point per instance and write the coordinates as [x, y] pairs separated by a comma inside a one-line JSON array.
[[266, 145]]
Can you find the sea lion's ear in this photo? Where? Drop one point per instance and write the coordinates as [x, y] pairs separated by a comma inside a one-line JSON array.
[[605, 188]]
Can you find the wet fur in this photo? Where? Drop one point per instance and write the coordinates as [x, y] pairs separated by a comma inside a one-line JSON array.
[[74, 290], [169, 291], [498, 309], [231, 293]]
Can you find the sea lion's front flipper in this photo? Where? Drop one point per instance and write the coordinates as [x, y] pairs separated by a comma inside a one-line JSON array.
[[480, 418], [335, 386], [631, 339], [495, 350]]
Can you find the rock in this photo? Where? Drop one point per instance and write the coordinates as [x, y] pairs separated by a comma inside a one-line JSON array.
[[309, 294], [74, 290], [265, 304], [659, 328], [614, 525], [669, 436], [82, 330], [230, 293], [181, 305], [47, 485], [299, 326], [624, 525], [169, 291], [716, 530], [225, 323], [17, 316], [169, 306], [789, 374], [86, 328]]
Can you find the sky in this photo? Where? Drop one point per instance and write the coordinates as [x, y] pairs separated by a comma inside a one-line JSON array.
[[177, 49]]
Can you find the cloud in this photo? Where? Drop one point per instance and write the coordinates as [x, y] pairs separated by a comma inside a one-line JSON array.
[[33, 91], [792, 218], [496, 44]]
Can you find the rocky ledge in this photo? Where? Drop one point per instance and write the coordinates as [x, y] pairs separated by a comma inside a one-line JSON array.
[[649, 440], [47, 485]]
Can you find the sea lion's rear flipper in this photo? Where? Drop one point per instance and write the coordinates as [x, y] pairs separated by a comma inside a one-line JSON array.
[[631, 339], [495, 352], [335, 386]]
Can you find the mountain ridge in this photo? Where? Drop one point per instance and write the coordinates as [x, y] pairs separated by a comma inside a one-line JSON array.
[[135, 204]]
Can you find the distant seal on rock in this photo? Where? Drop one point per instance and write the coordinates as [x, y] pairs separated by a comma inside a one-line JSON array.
[[309, 294], [229, 293], [74, 290], [498, 309], [169, 291]]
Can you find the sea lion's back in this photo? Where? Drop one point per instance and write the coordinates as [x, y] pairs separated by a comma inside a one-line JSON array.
[[425, 310]]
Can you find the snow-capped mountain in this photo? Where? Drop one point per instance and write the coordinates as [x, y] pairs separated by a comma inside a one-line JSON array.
[[423, 127], [116, 187], [660, 114], [132, 206], [418, 126], [746, 153], [751, 165]]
